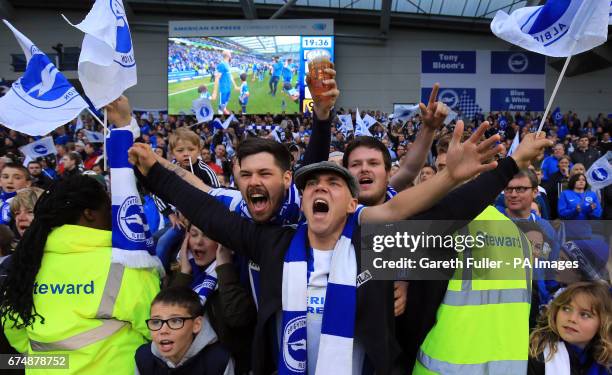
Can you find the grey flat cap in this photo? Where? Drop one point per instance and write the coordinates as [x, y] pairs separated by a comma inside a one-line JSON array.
[[302, 174]]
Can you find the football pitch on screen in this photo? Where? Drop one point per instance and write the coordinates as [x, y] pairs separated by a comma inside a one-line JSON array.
[[182, 94]]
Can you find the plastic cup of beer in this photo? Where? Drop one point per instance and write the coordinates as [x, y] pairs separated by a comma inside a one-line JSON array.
[[318, 61]]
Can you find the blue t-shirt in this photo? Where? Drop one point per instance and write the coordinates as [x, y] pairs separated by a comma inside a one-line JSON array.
[[277, 68], [244, 89], [225, 82], [287, 74]]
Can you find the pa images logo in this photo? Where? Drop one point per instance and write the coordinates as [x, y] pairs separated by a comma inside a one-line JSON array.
[[294, 352], [131, 221]]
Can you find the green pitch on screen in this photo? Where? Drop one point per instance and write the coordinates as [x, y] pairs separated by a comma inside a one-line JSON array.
[[182, 94]]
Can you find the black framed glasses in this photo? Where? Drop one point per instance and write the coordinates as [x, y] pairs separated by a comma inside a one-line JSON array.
[[176, 322], [518, 189]]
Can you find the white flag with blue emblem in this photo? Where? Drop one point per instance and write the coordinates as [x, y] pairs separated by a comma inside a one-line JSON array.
[[361, 127], [42, 99], [107, 66], [203, 109], [94, 137], [599, 174], [369, 120], [132, 243], [405, 112], [347, 122], [40, 148], [558, 28]]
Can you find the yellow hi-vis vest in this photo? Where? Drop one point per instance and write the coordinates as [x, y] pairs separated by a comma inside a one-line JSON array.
[[94, 310], [482, 325]]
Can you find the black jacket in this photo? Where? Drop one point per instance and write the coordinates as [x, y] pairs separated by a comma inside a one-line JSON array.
[[587, 158], [266, 245]]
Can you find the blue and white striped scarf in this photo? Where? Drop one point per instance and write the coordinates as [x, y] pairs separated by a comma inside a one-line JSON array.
[[204, 281], [390, 193], [289, 213], [132, 243], [336, 343]]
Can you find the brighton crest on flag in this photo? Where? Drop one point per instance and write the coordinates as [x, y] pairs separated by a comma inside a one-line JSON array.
[[40, 148], [107, 66], [203, 109], [599, 174], [42, 99], [559, 28]]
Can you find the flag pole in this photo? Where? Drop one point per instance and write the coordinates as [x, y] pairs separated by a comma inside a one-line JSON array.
[[95, 117], [105, 124], [554, 93]]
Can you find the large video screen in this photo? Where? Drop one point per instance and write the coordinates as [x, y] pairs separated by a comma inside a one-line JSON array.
[[271, 69]]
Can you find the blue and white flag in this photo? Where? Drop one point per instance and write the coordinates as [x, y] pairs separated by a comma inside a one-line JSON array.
[[557, 116], [107, 66], [514, 145], [132, 243], [94, 137], [361, 127], [228, 121], [216, 124], [203, 109], [42, 99], [347, 122], [369, 120], [599, 174], [405, 112], [40, 148], [558, 28]]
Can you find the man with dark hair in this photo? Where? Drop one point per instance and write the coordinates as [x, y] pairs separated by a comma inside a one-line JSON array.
[[39, 178], [584, 154]]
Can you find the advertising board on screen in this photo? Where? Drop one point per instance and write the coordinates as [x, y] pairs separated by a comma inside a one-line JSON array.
[[242, 66]]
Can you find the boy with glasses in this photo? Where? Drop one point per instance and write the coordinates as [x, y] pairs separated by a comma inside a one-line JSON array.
[[183, 340]]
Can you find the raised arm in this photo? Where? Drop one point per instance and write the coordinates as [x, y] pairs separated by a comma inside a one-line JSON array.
[[433, 116], [320, 139], [120, 113], [465, 160], [203, 210]]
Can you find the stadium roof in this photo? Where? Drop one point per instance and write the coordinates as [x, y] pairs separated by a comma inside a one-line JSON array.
[[459, 8], [269, 44]]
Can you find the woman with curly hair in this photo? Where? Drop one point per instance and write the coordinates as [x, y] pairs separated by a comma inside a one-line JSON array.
[[63, 294]]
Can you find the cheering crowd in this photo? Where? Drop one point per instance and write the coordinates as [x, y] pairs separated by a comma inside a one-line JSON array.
[[258, 231]]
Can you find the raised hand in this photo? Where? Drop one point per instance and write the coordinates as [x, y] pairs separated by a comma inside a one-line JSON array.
[[142, 157], [119, 112], [530, 148], [184, 256], [472, 157], [322, 104], [434, 114]]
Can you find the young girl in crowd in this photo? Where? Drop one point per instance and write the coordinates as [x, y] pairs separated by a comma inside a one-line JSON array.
[[574, 337], [206, 267]]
